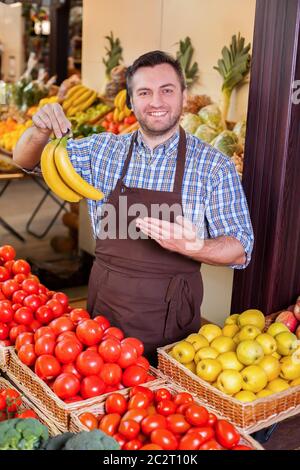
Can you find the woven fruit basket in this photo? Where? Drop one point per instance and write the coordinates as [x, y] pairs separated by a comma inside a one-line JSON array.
[[4, 355], [44, 398], [53, 430], [251, 416], [77, 426]]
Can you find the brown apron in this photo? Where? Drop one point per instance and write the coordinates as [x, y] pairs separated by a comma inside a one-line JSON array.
[[149, 292]]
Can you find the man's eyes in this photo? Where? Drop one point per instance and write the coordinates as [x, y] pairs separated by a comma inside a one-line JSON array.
[[166, 91]]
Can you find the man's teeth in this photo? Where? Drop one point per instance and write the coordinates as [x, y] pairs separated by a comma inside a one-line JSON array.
[[158, 114]]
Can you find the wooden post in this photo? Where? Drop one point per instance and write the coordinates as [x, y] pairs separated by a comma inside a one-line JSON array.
[[59, 39]]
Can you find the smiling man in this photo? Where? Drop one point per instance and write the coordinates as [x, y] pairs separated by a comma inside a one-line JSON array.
[[150, 285]]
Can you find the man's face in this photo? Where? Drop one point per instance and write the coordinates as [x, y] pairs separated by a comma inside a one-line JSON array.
[[157, 98]]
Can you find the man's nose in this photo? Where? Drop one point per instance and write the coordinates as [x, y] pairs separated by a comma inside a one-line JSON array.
[[156, 100]]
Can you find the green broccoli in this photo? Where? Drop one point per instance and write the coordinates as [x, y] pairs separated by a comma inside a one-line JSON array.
[[91, 440], [22, 434], [57, 442]]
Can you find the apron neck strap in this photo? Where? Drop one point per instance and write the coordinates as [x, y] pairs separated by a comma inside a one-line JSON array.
[[128, 158]]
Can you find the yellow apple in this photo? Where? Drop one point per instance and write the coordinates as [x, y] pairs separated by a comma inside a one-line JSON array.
[[191, 366], [254, 379], [271, 366], [249, 352], [230, 382], [286, 343], [232, 319], [210, 331], [295, 382], [183, 352], [264, 393], [252, 317], [276, 328], [267, 342], [248, 332], [230, 330], [290, 369], [278, 385], [275, 354], [245, 396], [236, 338], [223, 344], [206, 353], [198, 341], [230, 361], [208, 369]]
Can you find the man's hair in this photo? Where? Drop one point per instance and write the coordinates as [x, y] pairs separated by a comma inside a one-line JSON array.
[[150, 59]]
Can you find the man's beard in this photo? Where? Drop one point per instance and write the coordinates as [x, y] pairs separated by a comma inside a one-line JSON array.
[[164, 130]]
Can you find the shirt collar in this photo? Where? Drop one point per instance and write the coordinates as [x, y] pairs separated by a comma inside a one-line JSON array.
[[167, 148]]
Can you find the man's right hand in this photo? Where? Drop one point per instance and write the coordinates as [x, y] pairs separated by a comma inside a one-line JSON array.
[[51, 118]]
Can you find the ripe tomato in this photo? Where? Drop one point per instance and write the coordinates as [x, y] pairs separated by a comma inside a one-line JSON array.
[[89, 332], [5, 342], [212, 419], [6, 311], [206, 432], [191, 441], [19, 296], [120, 439], [92, 386], [44, 331], [2, 403], [128, 355], [134, 375], [31, 286], [24, 316], [111, 373], [177, 423], [110, 423], [4, 274], [15, 331], [33, 302], [66, 385], [134, 444], [27, 354], [89, 420], [115, 332], [24, 338], [116, 403], [71, 369], [25, 414], [70, 335], [78, 314], [4, 331], [196, 415], [103, 322], [129, 428], [183, 398], [7, 253], [138, 400], [44, 314], [166, 407], [44, 345], [13, 399], [164, 439], [67, 351], [73, 399], [19, 278], [21, 267], [89, 363], [151, 447], [145, 390], [211, 445], [47, 367], [110, 349], [9, 287], [143, 362], [136, 343], [150, 423], [61, 324], [181, 409], [16, 307], [62, 299], [137, 415], [8, 265], [226, 434], [56, 307], [35, 325], [162, 394]]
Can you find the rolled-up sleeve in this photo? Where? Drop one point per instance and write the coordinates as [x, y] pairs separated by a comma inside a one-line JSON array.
[[227, 210]]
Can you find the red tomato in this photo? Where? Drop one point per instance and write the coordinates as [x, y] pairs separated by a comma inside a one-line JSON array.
[[89, 420], [43, 290], [73, 399], [136, 343], [134, 444], [9, 287], [92, 386], [4, 274], [31, 286], [130, 429], [137, 415], [19, 296], [120, 439], [2, 403], [210, 445], [116, 403], [35, 325], [206, 432], [183, 398], [162, 394], [44, 315], [89, 363], [19, 278], [66, 385], [4, 331], [27, 354], [78, 314], [139, 400], [150, 423], [24, 338], [110, 423], [16, 307], [62, 299], [61, 324], [145, 390], [89, 332], [33, 302], [177, 423], [15, 331], [110, 349], [128, 356], [115, 332], [197, 415], [44, 331], [103, 322], [181, 409], [191, 441], [56, 307], [241, 447], [111, 388], [134, 375], [71, 369], [166, 407], [151, 447], [44, 345], [226, 434], [164, 439], [90, 348], [68, 335], [24, 316], [111, 374], [21, 267], [130, 119], [212, 419], [143, 362], [5, 343], [7, 253], [6, 312], [13, 399], [47, 367], [67, 351], [25, 414], [8, 265]]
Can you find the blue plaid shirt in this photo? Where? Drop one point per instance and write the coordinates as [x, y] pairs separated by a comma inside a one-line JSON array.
[[210, 184]]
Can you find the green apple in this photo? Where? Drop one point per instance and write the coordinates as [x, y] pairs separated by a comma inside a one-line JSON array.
[[198, 341], [245, 396], [230, 330], [230, 382], [271, 366], [252, 317], [232, 319], [278, 385], [286, 343], [209, 369], [183, 352], [290, 369], [249, 352], [206, 353], [248, 332], [276, 328], [267, 342], [254, 379], [230, 361], [210, 331]]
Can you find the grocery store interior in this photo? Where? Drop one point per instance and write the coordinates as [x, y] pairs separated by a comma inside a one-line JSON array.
[[241, 62]]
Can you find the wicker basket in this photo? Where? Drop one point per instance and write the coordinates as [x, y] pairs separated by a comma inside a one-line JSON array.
[[4, 355], [53, 431], [44, 398], [77, 426], [251, 416]]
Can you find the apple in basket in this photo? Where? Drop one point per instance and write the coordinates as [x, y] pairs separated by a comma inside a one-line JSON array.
[[288, 319], [297, 309]]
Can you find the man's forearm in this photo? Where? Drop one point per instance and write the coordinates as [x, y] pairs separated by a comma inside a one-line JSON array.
[[221, 251], [28, 150]]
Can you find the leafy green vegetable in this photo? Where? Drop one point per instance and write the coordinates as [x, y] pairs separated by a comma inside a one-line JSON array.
[[212, 116], [184, 56], [91, 440], [227, 142], [240, 130], [205, 133], [190, 122], [22, 434], [114, 54]]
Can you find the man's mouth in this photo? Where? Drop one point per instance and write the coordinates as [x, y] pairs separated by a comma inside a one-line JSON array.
[[158, 113]]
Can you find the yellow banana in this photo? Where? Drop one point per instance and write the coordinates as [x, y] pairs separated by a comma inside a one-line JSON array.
[[121, 116], [88, 103], [122, 99], [73, 90], [52, 177], [116, 115], [83, 97], [70, 101], [127, 111], [69, 175]]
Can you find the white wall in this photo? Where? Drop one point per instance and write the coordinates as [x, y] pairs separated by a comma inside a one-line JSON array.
[[11, 36]]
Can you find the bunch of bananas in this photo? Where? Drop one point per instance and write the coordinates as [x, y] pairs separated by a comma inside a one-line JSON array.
[[60, 175], [121, 111], [79, 98]]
